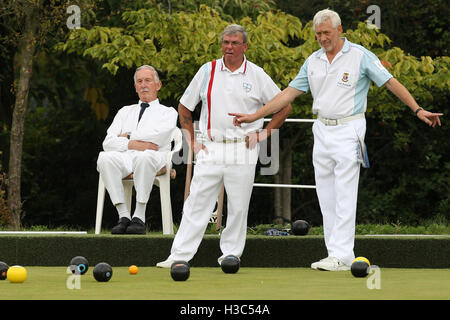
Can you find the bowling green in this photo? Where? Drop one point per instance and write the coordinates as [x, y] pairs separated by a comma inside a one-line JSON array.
[[53, 283]]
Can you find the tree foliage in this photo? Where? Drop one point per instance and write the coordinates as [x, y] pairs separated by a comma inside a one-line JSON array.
[[91, 72], [418, 27], [178, 44], [27, 28]]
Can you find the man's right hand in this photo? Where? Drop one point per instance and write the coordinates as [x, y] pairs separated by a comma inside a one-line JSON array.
[[199, 146]]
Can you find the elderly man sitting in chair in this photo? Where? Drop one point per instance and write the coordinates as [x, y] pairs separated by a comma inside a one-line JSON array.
[[135, 145]]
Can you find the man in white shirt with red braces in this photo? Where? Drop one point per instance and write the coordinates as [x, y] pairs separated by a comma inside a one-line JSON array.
[[226, 154], [338, 76]]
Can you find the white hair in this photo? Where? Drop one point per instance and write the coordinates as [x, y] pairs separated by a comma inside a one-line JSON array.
[[145, 66], [324, 15], [233, 29]]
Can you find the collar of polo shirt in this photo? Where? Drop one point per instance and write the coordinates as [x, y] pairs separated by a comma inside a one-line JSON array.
[[242, 69], [345, 48]]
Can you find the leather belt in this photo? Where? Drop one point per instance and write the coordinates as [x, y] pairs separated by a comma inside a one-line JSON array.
[[234, 140]]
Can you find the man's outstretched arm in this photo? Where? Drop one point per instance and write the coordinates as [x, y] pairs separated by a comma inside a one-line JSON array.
[[403, 94], [280, 101]]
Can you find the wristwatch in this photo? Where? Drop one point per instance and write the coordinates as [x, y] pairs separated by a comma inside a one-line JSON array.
[[128, 135]]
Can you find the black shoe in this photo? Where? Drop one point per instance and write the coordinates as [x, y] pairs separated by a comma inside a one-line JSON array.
[[137, 226], [121, 226]]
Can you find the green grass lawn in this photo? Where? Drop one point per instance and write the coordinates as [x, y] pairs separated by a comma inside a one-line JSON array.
[[49, 283]]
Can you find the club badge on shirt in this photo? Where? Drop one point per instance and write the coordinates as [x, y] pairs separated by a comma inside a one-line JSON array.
[[247, 87], [345, 77], [345, 80]]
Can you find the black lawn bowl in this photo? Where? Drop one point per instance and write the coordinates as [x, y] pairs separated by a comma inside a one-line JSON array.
[[103, 272], [230, 264], [79, 265], [180, 271], [300, 227]]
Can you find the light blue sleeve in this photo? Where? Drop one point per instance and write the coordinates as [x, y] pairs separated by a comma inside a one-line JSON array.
[[301, 82], [371, 66]]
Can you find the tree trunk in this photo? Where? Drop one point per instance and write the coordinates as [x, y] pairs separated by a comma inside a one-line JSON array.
[[24, 60], [287, 175], [283, 211], [277, 201], [282, 203]]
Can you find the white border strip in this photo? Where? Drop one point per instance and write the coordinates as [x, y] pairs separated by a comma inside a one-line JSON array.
[[298, 186], [293, 120], [43, 232], [406, 235]]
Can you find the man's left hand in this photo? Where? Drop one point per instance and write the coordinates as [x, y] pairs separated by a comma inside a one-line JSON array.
[[242, 118], [430, 118], [253, 138]]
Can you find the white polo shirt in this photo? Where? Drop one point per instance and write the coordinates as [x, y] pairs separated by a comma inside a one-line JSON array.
[[221, 91], [156, 126], [340, 88]]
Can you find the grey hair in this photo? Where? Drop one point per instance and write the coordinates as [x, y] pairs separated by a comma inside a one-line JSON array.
[[324, 15], [235, 28], [146, 66]]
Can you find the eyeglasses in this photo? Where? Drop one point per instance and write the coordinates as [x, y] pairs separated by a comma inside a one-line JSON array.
[[233, 43]]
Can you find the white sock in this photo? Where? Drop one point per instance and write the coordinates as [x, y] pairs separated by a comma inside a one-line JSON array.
[[123, 211], [139, 212]]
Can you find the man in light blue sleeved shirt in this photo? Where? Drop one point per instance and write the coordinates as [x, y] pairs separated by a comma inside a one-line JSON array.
[[338, 76]]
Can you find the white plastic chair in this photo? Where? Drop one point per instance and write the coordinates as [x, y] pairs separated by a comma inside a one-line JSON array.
[[162, 181]]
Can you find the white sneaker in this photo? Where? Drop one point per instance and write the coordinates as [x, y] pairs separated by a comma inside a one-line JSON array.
[[165, 264], [330, 264]]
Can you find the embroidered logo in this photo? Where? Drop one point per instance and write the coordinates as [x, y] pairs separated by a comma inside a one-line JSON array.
[[345, 77], [345, 80], [247, 87]]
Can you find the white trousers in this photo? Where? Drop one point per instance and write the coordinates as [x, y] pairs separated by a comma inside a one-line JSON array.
[[234, 166], [337, 175], [113, 166]]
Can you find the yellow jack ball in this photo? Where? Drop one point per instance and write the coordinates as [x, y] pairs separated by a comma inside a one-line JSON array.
[[16, 274], [362, 259]]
